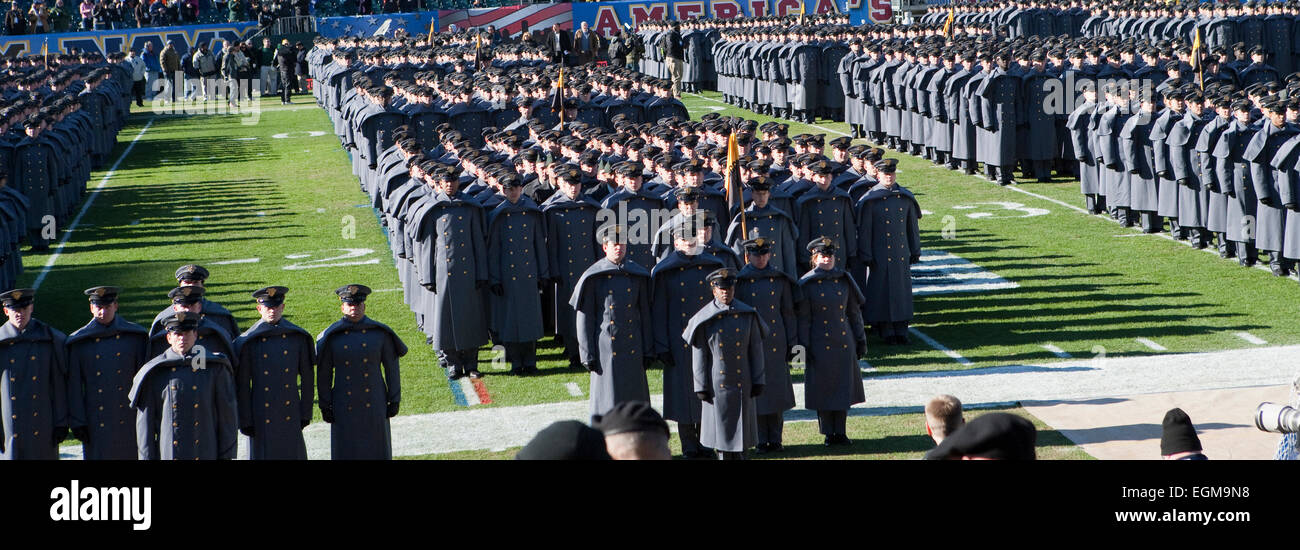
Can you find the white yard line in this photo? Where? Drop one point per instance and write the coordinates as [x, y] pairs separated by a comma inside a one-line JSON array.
[[573, 388], [1151, 344], [58, 250], [1057, 351], [942, 348], [1250, 338]]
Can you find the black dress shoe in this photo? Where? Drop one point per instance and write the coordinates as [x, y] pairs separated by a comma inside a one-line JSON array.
[[830, 440], [775, 448], [475, 375], [761, 449], [454, 373], [532, 369], [842, 439], [518, 371]]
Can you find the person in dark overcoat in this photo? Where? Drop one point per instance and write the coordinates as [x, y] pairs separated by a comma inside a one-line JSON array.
[[1263, 148], [103, 357], [831, 331], [275, 383], [33, 382], [615, 332], [451, 261], [772, 293], [571, 249], [826, 210], [726, 340], [197, 276], [517, 267], [889, 242], [359, 379], [679, 287], [184, 399]]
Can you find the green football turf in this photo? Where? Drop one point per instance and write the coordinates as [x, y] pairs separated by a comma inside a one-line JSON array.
[[210, 188], [896, 437]]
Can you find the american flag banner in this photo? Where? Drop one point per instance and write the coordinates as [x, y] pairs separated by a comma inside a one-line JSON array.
[[415, 24], [510, 18]]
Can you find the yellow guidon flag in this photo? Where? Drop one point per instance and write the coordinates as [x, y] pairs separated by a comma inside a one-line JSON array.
[[1196, 58], [947, 25], [732, 183]]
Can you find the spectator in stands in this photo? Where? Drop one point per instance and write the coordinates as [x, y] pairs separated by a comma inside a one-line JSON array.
[[364, 8], [235, 11], [190, 12], [173, 12], [116, 14], [60, 17], [15, 23], [87, 10], [100, 14], [943, 417], [129, 10], [388, 6], [38, 18], [157, 14], [141, 13]]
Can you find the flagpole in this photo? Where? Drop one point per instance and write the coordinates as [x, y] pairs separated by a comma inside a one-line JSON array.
[[559, 92]]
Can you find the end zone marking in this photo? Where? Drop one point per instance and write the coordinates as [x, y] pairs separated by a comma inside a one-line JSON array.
[[936, 345], [1057, 351], [1151, 344], [573, 388], [1250, 338], [45, 271]]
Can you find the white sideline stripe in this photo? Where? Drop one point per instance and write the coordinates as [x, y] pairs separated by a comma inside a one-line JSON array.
[[58, 251], [1251, 338], [385, 290], [936, 345], [573, 388], [1057, 351], [1151, 344]]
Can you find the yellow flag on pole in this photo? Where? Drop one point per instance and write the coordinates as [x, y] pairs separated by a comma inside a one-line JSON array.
[[947, 25]]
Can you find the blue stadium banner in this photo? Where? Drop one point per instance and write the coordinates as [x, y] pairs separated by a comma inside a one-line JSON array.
[[186, 38], [416, 23], [607, 16], [864, 12]]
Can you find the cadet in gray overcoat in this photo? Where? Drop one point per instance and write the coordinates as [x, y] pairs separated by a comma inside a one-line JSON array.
[[726, 339], [103, 357]]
